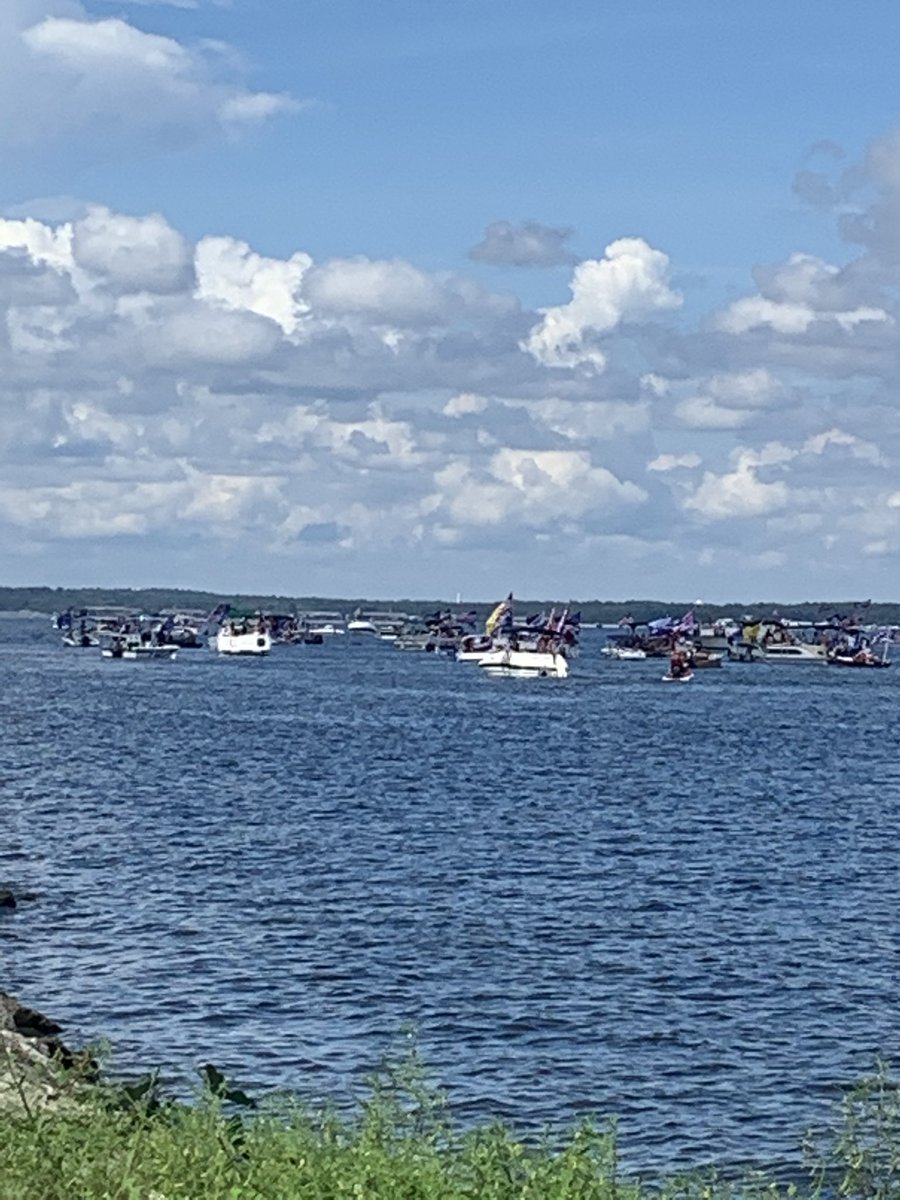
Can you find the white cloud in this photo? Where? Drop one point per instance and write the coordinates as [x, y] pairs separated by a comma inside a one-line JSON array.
[[464, 404], [630, 281], [230, 273], [740, 493], [670, 462], [532, 487], [729, 401], [392, 293], [69, 75], [132, 254]]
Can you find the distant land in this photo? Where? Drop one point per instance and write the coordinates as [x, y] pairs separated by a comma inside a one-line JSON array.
[[152, 600]]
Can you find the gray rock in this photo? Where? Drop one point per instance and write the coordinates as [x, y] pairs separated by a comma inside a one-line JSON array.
[[33, 1060]]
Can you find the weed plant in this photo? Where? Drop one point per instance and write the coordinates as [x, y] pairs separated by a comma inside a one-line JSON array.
[[130, 1143]]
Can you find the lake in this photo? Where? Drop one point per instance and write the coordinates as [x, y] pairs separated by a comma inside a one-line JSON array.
[[602, 895]]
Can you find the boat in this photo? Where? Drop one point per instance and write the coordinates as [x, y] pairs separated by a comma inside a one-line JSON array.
[[237, 638], [136, 649], [792, 652], [625, 653], [684, 677], [362, 625], [701, 659], [473, 648], [325, 624], [382, 625], [857, 658], [81, 641], [536, 664]]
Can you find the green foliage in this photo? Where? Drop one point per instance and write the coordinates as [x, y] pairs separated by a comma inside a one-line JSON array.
[[126, 1143], [861, 1160]]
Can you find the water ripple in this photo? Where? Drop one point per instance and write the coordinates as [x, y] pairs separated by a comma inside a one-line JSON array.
[[676, 905]]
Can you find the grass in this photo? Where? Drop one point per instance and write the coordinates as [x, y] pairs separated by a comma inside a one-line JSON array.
[[129, 1143]]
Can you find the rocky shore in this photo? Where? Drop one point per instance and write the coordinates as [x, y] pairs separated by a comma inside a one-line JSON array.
[[33, 1060]]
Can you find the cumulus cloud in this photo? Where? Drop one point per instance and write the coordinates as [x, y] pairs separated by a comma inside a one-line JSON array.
[[526, 245], [133, 254], [358, 407], [630, 281], [730, 401], [530, 487], [66, 73], [741, 493], [671, 462], [230, 273]]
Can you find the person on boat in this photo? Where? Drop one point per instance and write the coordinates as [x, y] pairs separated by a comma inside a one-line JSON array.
[[678, 664]]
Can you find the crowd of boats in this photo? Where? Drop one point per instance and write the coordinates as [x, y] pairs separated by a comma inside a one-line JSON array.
[[540, 644], [689, 645]]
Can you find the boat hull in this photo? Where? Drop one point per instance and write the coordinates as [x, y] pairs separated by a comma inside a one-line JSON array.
[[526, 663], [256, 643]]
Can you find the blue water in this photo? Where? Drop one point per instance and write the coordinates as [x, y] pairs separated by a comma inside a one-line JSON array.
[[677, 904]]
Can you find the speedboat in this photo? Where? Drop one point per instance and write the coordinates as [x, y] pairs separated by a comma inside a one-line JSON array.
[[235, 639], [626, 653], [539, 664], [474, 648], [134, 649], [858, 658], [791, 652]]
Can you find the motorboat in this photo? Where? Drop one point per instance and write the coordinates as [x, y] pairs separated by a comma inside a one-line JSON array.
[[136, 649], [791, 652], [362, 625], [625, 653], [237, 639], [702, 659], [326, 624], [856, 658], [474, 648], [539, 664], [385, 626]]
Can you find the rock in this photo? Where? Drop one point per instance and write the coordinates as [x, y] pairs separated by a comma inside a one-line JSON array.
[[33, 1060], [7, 899]]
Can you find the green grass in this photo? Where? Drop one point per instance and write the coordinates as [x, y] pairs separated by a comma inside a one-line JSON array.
[[116, 1143]]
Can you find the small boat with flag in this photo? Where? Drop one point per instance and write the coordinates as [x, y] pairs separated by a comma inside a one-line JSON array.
[[539, 648]]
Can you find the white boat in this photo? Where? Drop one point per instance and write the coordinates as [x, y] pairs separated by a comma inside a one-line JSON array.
[[791, 652], [384, 625], [685, 677], [81, 641], [236, 640], [528, 663], [719, 635], [360, 625], [627, 653], [474, 648], [134, 650], [323, 624]]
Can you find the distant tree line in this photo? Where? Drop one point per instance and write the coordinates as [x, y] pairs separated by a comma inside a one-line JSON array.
[[152, 600]]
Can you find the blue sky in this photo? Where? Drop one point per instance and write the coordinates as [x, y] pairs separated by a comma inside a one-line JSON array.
[[418, 298]]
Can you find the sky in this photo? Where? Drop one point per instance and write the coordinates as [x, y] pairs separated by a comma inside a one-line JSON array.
[[435, 297]]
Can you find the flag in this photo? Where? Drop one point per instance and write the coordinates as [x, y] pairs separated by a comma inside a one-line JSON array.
[[501, 614], [686, 624]]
